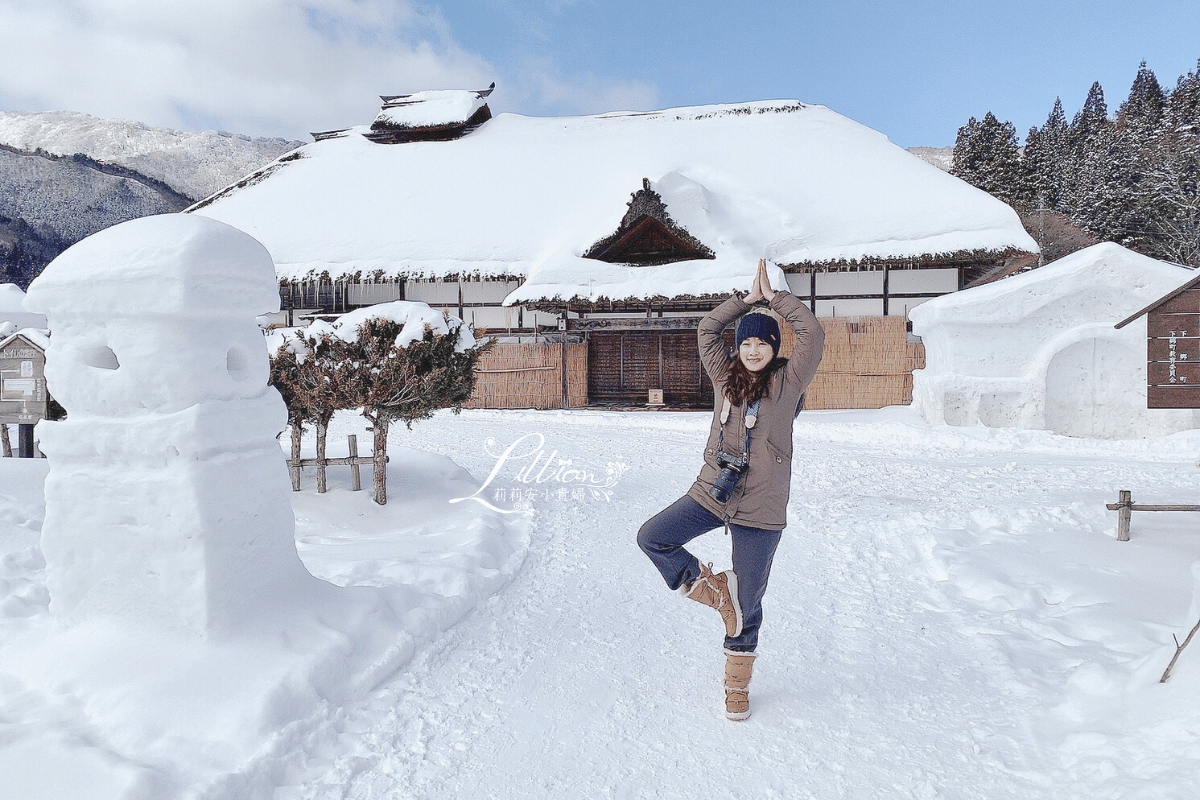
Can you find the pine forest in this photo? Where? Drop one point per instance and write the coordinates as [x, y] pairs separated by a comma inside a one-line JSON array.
[[1131, 178]]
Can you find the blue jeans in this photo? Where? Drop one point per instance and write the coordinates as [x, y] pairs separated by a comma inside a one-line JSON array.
[[662, 539]]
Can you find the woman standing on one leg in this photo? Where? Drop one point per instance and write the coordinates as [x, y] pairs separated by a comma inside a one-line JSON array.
[[746, 476]]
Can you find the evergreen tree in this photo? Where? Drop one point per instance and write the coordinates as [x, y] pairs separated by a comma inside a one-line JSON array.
[[986, 155], [1143, 109], [1173, 175], [319, 372], [1119, 202], [1133, 179], [310, 371], [1083, 171], [1046, 150], [1091, 118]]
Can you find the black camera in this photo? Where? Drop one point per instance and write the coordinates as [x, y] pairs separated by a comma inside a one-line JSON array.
[[732, 470]]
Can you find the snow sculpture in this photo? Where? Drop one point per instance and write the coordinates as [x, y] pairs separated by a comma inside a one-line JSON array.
[[168, 499], [1039, 350]]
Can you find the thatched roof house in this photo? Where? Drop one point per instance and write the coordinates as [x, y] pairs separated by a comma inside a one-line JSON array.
[[634, 222], [531, 198]]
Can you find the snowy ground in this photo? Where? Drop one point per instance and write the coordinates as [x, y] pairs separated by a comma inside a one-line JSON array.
[[949, 616]]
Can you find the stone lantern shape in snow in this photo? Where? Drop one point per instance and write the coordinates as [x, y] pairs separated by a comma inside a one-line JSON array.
[[168, 498]]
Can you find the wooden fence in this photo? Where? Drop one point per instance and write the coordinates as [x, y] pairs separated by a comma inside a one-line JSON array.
[[868, 363], [530, 376]]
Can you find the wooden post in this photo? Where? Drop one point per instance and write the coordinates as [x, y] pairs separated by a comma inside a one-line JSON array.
[[322, 430], [1125, 508], [379, 457], [1124, 511], [295, 464], [4, 440], [25, 435], [566, 397], [355, 480]]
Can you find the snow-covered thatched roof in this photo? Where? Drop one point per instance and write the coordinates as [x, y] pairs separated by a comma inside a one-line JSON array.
[[39, 337], [528, 196], [425, 109]]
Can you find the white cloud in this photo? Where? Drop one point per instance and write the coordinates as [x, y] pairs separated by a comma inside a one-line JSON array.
[[539, 83], [265, 67], [281, 67]]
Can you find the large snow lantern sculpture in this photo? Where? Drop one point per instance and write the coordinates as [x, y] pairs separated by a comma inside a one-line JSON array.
[[1039, 350], [167, 500]]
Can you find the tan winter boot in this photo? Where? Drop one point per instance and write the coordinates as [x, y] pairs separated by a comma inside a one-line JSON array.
[[738, 667], [718, 591]]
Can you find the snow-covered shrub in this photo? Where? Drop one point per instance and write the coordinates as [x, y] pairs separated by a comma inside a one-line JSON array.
[[396, 361]]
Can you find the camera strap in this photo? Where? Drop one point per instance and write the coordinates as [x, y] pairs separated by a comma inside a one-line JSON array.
[[751, 419]]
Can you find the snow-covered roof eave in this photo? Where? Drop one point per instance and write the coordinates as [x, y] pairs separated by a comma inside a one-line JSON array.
[[380, 270], [921, 255], [40, 337], [586, 280], [595, 281]]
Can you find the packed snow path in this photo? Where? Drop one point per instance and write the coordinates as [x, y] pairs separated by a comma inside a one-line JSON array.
[[936, 626]]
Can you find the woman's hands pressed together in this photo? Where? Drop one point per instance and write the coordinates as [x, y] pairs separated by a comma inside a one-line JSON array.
[[761, 288]]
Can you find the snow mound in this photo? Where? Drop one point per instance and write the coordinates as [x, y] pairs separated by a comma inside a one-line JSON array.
[[167, 499], [163, 632], [111, 711], [1039, 350]]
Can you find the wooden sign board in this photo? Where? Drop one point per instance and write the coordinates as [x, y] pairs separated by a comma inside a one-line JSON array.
[[23, 398], [1173, 352]]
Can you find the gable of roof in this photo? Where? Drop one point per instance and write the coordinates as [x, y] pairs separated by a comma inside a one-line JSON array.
[[648, 236], [36, 339]]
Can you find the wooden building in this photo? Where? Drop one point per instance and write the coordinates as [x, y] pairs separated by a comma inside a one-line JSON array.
[[618, 229], [638, 345]]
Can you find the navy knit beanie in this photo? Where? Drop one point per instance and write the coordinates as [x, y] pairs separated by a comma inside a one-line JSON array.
[[759, 324]]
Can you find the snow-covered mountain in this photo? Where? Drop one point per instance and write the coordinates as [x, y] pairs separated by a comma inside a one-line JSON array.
[[940, 157], [193, 164], [65, 175]]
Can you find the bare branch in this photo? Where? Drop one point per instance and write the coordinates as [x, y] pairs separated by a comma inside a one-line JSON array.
[[1178, 649]]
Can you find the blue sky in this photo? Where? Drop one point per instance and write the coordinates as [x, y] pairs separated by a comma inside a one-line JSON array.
[[915, 70]]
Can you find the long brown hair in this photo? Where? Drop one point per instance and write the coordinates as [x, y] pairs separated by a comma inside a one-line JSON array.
[[743, 387]]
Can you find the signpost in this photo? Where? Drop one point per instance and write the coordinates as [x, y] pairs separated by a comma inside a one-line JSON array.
[[23, 397], [1173, 352], [1172, 377]]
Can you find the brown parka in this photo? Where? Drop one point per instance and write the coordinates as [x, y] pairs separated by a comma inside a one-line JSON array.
[[761, 497]]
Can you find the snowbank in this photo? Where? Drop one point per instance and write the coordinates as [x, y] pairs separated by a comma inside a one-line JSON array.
[[166, 628], [1039, 350], [527, 196], [105, 710]]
